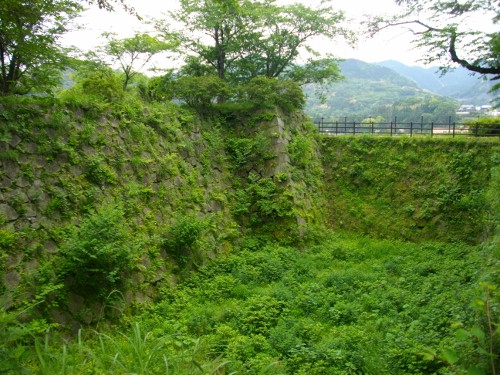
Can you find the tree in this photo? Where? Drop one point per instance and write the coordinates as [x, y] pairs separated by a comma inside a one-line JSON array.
[[30, 56], [284, 33], [215, 30], [242, 39], [442, 27], [198, 91], [134, 53]]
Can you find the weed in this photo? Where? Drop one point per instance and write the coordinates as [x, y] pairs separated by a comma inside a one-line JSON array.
[[96, 254]]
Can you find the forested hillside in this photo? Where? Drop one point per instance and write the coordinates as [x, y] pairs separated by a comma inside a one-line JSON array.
[[369, 90], [459, 84]]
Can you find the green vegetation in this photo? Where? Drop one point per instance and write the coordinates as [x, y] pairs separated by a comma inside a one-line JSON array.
[[402, 189], [95, 256], [133, 54], [196, 241], [246, 39], [441, 28], [30, 57], [196, 223], [484, 126], [347, 304], [372, 90]]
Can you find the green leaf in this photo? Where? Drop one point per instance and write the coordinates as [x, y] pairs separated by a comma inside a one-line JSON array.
[[462, 334], [450, 356], [478, 333], [428, 354], [482, 351]]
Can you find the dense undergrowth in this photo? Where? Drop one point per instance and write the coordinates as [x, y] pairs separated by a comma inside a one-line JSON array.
[[345, 305], [150, 238]]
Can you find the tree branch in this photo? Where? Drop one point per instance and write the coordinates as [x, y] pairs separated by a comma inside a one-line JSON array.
[[452, 35], [418, 22], [468, 65]]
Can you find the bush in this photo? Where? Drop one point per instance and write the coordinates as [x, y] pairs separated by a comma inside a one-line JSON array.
[[199, 91], [98, 172], [261, 313], [15, 335], [158, 89], [8, 238], [104, 86], [181, 237], [270, 92], [484, 126], [97, 254]]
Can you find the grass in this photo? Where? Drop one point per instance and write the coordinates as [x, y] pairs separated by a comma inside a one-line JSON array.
[[346, 304]]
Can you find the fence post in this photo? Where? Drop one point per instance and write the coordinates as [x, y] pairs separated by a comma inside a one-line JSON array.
[[411, 128], [432, 128], [354, 128], [391, 129], [371, 121], [454, 126], [421, 124], [345, 125]]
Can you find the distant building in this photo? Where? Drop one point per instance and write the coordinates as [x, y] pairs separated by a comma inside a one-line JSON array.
[[480, 110], [467, 108]]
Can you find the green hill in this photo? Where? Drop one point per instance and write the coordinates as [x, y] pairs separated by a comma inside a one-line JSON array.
[[459, 83], [373, 90]]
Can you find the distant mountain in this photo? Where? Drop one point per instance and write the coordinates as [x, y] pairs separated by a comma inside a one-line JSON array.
[[357, 69], [368, 90], [459, 84]]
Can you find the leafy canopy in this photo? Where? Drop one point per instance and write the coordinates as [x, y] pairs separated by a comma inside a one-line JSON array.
[[30, 56], [241, 39], [444, 28], [134, 53]]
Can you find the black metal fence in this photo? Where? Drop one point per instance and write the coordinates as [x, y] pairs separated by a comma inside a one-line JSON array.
[[395, 128]]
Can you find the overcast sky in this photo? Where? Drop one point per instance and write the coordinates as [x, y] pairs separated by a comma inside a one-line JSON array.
[[393, 44]]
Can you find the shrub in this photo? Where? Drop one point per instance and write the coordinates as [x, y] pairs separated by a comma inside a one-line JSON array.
[[240, 150], [181, 237], [261, 313], [270, 92], [94, 91], [199, 91], [8, 238], [158, 89], [97, 254], [484, 126], [104, 86], [99, 173], [15, 334]]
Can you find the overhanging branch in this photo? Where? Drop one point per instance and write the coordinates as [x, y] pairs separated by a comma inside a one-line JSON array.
[[468, 65], [452, 36]]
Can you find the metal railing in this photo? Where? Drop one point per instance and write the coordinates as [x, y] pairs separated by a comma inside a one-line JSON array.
[[395, 128]]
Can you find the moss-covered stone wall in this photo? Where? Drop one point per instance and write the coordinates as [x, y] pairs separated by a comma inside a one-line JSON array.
[[411, 188], [175, 187], [102, 209]]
